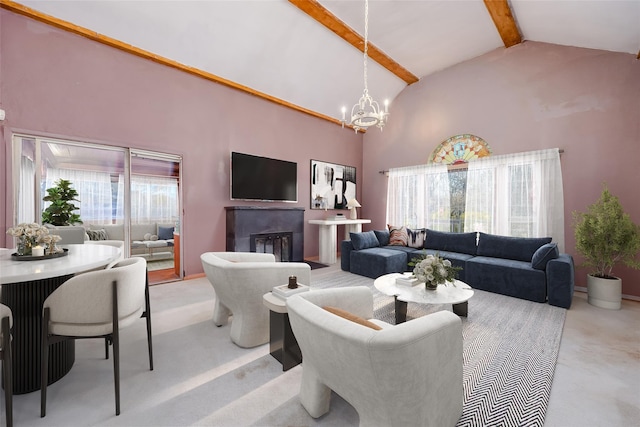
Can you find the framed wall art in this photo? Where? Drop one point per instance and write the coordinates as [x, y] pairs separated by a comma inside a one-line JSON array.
[[332, 186]]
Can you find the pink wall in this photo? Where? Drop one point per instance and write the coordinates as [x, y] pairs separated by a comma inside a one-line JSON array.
[[55, 83], [528, 97]]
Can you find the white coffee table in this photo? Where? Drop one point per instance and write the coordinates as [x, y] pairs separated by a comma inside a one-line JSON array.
[[456, 293]]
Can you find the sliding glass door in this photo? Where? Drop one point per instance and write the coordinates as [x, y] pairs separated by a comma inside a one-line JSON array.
[[131, 195]]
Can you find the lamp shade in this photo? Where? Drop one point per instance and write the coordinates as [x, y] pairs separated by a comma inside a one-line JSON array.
[[353, 203]]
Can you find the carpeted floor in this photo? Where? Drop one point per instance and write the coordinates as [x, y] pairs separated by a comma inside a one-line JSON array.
[[510, 352], [201, 378]]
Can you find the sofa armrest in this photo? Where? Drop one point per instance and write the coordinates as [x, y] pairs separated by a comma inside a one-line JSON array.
[[560, 281], [345, 255]]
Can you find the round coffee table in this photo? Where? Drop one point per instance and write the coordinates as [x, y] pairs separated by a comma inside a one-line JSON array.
[[456, 293]]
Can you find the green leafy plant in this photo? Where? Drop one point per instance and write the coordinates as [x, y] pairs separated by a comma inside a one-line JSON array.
[[60, 211], [606, 236]]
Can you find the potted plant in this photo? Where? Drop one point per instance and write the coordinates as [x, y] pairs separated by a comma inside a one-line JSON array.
[[60, 211], [605, 237]]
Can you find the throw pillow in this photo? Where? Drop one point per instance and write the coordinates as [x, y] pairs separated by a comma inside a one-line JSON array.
[[147, 236], [397, 236], [415, 238], [165, 233], [383, 237], [364, 240], [352, 317], [97, 235], [153, 238], [543, 255]]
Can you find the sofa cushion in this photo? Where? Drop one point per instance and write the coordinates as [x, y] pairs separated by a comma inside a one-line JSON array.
[[507, 277], [383, 236], [165, 233], [415, 238], [397, 236], [464, 243], [114, 231], [364, 240], [543, 255], [374, 262], [352, 317], [518, 248], [97, 234]]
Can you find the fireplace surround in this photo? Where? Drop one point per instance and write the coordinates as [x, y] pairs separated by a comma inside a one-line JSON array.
[[244, 223]]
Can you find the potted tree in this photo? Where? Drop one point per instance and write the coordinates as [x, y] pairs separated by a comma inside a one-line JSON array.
[[605, 237], [60, 211]]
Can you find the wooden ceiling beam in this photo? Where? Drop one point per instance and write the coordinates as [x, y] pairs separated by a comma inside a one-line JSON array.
[[504, 21], [316, 11]]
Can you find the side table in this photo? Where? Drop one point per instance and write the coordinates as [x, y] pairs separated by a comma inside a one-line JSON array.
[[283, 345]]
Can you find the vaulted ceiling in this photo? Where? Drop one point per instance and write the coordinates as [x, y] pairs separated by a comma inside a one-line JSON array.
[[306, 54]]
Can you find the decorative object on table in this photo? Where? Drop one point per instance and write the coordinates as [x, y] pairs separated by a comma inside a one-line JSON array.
[[407, 279], [433, 270], [60, 211], [332, 186], [352, 204], [28, 235], [366, 112], [50, 241], [293, 282], [606, 236], [284, 291]]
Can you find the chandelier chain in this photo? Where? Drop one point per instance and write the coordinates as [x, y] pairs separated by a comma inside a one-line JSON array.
[[366, 43]]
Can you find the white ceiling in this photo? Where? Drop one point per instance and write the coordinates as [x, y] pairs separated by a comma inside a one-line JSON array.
[[273, 47]]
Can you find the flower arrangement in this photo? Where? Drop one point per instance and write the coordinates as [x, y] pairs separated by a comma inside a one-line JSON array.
[[30, 235], [434, 270]]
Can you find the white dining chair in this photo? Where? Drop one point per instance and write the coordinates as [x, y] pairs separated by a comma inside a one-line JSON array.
[[96, 304]]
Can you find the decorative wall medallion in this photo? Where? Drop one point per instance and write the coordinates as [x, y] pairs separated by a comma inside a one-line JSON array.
[[460, 149]]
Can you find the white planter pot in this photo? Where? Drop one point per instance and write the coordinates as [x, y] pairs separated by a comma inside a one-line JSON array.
[[604, 293]]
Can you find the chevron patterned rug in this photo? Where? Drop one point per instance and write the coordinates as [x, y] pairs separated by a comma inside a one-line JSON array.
[[510, 352]]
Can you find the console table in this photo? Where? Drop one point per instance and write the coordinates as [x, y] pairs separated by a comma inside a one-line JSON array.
[[329, 235]]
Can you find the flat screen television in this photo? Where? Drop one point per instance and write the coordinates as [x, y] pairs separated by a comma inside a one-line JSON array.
[[262, 178]]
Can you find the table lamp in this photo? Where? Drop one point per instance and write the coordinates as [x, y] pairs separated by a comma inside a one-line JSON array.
[[352, 205]]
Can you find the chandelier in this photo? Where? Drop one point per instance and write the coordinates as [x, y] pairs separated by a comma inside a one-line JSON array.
[[366, 112]]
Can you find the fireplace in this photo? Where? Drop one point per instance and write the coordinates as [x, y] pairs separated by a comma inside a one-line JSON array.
[[271, 230], [278, 244]]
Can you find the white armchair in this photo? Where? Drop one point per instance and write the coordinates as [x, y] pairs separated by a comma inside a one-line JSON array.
[[404, 375], [240, 279]]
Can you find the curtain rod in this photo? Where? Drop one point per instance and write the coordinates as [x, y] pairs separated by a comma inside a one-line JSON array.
[[385, 172]]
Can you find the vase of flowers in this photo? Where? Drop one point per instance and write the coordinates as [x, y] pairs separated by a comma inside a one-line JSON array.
[[29, 235], [434, 270]]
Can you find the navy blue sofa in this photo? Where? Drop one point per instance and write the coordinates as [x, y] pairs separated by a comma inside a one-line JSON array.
[[527, 268]]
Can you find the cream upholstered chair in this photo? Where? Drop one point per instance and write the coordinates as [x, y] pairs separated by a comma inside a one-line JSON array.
[[402, 375], [240, 279], [96, 304], [6, 321]]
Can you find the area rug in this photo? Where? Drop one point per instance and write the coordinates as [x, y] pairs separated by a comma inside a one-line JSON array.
[[510, 352]]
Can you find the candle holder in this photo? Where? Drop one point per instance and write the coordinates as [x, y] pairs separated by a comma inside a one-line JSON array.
[[293, 282]]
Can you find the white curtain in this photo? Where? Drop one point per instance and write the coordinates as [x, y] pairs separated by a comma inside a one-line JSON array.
[[26, 192], [153, 199], [516, 195], [94, 193], [418, 197]]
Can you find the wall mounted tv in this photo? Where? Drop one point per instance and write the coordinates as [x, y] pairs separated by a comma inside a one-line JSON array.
[[262, 178]]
